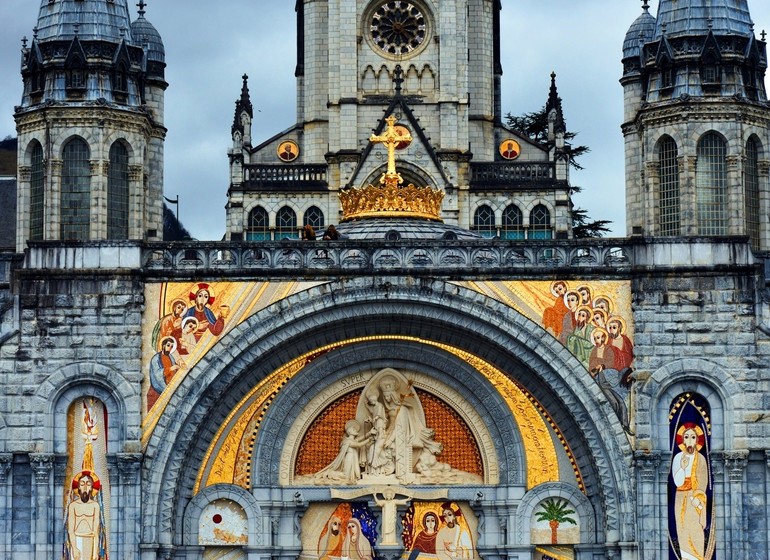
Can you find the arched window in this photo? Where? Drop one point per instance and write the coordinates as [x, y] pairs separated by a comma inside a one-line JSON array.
[[513, 223], [259, 225], [36, 193], [751, 186], [669, 215], [711, 185], [286, 224], [484, 221], [75, 191], [540, 223], [117, 193], [314, 217]]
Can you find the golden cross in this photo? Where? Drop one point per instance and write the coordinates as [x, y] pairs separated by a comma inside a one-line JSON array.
[[390, 139]]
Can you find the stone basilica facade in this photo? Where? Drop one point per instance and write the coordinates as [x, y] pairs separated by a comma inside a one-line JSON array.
[[451, 374]]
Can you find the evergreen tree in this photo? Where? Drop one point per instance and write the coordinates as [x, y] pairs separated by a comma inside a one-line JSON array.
[[535, 126]]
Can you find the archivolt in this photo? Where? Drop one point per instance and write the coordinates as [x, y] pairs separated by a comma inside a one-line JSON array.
[[434, 310]]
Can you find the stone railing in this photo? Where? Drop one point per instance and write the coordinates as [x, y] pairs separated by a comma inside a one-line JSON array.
[[503, 173], [479, 258], [259, 176], [413, 257]]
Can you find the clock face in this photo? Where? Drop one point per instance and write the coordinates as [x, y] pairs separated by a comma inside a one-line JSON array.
[[398, 27]]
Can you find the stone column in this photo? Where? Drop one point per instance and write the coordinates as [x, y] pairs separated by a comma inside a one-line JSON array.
[[42, 537], [137, 213], [23, 214], [764, 202], [129, 503], [651, 196], [99, 169], [6, 461], [688, 204], [735, 463], [736, 200], [52, 223], [650, 504]]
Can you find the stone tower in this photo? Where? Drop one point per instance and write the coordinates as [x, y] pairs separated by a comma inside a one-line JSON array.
[[436, 67], [697, 124], [90, 125]]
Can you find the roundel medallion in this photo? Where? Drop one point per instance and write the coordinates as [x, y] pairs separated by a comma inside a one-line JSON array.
[[398, 27], [509, 149]]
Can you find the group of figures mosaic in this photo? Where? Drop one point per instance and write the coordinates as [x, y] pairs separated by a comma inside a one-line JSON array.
[[429, 529], [596, 334], [177, 333]]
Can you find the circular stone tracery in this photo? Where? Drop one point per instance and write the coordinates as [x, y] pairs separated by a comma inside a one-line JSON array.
[[398, 27]]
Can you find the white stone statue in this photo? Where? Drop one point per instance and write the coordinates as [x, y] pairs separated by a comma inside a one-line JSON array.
[[389, 442]]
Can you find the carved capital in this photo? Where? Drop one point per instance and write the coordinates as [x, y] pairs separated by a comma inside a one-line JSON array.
[[6, 460], [42, 465], [732, 161], [652, 169], [105, 166], [135, 172], [647, 464], [25, 173], [735, 464], [129, 465], [56, 166], [96, 167], [764, 167]]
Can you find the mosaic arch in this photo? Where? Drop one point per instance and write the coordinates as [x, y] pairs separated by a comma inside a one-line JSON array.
[[287, 325]]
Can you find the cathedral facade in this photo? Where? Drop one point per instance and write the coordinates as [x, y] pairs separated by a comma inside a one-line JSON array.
[[447, 373]]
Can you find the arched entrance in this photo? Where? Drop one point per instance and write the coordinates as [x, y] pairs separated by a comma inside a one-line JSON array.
[[330, 334]]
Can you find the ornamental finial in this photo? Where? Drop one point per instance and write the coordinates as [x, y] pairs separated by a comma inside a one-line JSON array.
[[141, 5]]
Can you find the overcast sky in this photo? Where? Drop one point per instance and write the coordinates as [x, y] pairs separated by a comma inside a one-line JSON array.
[[209, 45]]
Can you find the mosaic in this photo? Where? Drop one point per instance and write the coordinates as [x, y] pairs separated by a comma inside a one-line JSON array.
[[591, 319], [691, 504], [349, 532], [223, 522], [437, 530], [87, 487], [555, 522]]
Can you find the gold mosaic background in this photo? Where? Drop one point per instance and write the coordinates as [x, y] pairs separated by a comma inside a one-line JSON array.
[[321, 443]]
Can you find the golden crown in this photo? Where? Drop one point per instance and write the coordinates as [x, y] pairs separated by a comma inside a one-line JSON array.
[[389, 199]]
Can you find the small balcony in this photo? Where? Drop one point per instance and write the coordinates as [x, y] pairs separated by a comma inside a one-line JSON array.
[[282, 177], [503, 174]]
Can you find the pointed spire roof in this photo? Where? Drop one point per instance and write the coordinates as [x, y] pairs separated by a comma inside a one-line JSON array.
[[697, 17], [554, 102], [243, 104], [94, 20]]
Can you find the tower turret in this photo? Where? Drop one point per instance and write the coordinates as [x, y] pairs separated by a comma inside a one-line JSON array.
[[697, 125], [90, 125]]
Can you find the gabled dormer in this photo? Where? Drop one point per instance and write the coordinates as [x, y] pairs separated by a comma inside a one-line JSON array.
[[75, 68], [121, 69], [664, 60], [711, 64]]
